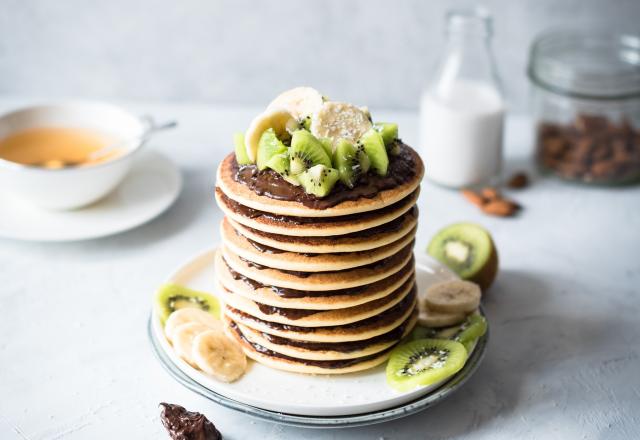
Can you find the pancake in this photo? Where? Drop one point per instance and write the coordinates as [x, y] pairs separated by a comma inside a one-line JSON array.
[[329, 351], [287, 363], [278, 259], [318, 318], [300, 299], [243, 194], [365, 329], [320, 281], [364, 240], [312, 227]]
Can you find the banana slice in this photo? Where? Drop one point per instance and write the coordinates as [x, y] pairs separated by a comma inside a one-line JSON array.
[[183, 338], [300, 102], [431, 318], [190, 314], [453, 297], [339, 120], [279, 119], [217, 355]]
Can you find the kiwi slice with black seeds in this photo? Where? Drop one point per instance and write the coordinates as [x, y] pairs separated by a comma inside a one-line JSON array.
[[172, 297], [388, 131], [268, 146], [424, 362], [470, 331], [351, 162], [279, 163], [373, 145], [318, 180], [468, 250], [305, 152]]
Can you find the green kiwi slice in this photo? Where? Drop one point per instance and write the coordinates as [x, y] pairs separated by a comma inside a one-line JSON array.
[[327, 143], [388, 131], [351, 162], [241, 151], [171, 297], [305, 152], [467, 333], [373, 145], [268, 146], [468, 250], [424, 362], [318, 180], [279, 163]]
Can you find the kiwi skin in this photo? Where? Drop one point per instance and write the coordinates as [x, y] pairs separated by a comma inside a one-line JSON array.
[[487, 275]]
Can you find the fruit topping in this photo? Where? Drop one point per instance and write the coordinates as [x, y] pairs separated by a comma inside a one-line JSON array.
[[431, 318], [186, 425], [453, 297], [172, 297], [241, 150], [305, 152], [301, 102], [183, 337], [351, 162], [339, 120], [373, 145], [424, 362], [468, 250], [217, 355], [268, 146], [184, 316], [279, 120], [319, 180], [388, 131]]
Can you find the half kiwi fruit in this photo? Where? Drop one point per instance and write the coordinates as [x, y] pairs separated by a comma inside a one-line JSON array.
[[424, 362], [305, 152], [172, 297], [468, 250]]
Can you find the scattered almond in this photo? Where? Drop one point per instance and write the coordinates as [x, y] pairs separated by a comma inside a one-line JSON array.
[[490, 193], [518, 180], [473, 197], [499, 207]]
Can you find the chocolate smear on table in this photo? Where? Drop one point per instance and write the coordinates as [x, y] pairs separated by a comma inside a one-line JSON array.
[[187, 425]]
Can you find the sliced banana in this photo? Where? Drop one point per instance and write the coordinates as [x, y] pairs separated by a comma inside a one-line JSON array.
[[217, 355], [183, 338], [190, 314], [279, 119], [339, 120], [431, 318], [453, 296], [300, 102]]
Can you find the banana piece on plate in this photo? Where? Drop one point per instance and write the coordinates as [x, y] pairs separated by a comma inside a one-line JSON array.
[[340, 120], [300, 102], [455, 296], [432, 318], [217, 355], [189, 314], [183, 338], [279, 119]]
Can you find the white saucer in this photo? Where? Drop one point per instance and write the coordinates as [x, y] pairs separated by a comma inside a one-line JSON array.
[[291, 393], [152, 185]]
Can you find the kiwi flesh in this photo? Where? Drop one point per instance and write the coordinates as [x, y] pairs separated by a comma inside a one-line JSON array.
[[424, 362], [241, 151], [351, 162], [468, 250], [172, 297], [319, 180], [268, 146], [467, 333], [373, 145], [305, 152], [388, 131], [279, 163]]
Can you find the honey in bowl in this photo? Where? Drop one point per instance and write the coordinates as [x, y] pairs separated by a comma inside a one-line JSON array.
[[58, 147]]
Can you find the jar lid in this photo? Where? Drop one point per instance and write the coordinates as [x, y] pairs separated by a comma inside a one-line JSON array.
[[588, 65]]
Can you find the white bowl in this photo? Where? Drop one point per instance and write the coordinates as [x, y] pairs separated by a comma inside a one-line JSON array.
[[72, 187]]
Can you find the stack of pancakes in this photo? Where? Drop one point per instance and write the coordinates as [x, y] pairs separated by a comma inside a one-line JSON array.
[[324, 286]]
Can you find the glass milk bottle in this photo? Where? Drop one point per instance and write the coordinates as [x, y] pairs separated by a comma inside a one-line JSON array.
[[462, 109]]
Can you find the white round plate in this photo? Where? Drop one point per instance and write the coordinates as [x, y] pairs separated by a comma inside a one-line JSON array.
[[152, 185], [280, 391]]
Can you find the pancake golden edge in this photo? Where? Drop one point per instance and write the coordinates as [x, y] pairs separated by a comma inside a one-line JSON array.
[[266, 295], [323, 244], [321, 318], [319, 281], [325, 355], [371, 219], [323, 334], [244, 195], [239, 245]]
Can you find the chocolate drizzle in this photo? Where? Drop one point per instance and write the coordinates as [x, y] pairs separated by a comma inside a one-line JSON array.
[[292, 314], [402, 169]]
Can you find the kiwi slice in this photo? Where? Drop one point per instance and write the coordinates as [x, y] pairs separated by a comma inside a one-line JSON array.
[[469, 331], [388, 131], [424, 362], [319, 180], [328, 146], [268, 146], [171, 297], [468, 250], [373, 145], [305, 152], [241, 151], [306, 123], [279, 163], [351, 162]]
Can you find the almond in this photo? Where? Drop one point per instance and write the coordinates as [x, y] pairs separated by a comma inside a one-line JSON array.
[[473, 197], [490, 193], [500, 208], [518, 180]]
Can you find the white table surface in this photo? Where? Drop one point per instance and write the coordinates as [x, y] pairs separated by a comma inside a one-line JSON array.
[[564, 356]]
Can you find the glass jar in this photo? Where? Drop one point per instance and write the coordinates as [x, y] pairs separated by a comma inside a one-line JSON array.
[[586, 105]]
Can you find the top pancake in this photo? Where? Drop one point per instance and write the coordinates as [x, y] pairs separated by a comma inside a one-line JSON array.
[[244, 195]]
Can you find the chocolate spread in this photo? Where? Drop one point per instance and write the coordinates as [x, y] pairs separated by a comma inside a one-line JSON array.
[[402, 169], [186, 425]]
